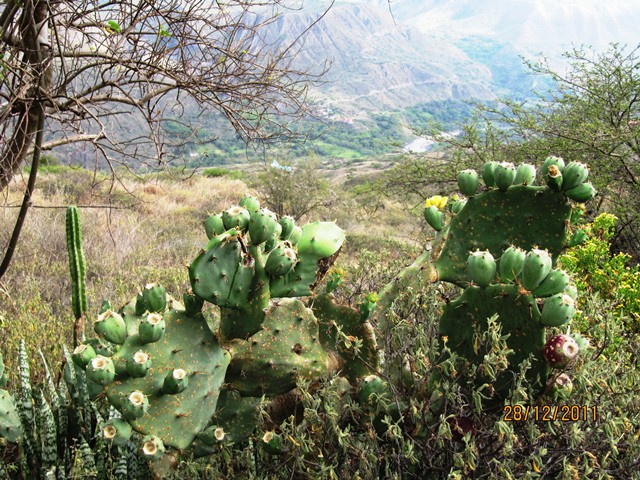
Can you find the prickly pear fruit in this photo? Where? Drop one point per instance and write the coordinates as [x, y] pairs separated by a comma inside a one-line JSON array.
[[296, 235], [372, 388], [574, 174], [138, 364], [152, 447], [525, 174], [262, 226], [175, 381], [504, 174], [213, 225], [557, 310], [482, 268], [560, 350], [511, 263], [555, 282], [560, 387], [456, 205], [280, 261], [236, 217], [582, 193], [434, 217], [320, 240], [192, 303], [116, 431], [83, 354], [554, 178], [537, 265], [151, 328], [135, 405], [287, 223], [110, 326], [572, 291], [101, 370], [251, 204], [155, 297], [140, 305], [488, 174], [468, 182], [555, 161], [271, 443]]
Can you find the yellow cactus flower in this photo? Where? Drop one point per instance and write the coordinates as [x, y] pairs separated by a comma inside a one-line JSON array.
[[436, 201]]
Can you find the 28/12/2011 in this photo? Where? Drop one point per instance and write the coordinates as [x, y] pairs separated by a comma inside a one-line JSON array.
[[547, 413]]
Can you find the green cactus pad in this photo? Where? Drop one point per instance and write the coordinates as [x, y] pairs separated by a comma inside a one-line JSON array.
[[519, 317], [223, 274], [236, 415], [10, 426], [187, 344], [525, 216], [287, 347], [331, 317]]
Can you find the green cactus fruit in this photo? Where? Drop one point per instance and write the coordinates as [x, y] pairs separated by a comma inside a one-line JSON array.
[[488, 174], [152, 447], [434, 217], [296, 235], [236, 217], [280, 261], [272, 243], [83, 354], [555, 282], [581, 193], [554, 178], [334, 280], [548, 162], [140, 306], [117, 431], [151, 328], [155, 297], [192, 303], [537, 265], [578, 238], [214, 225], [372, 389], [135, 405], [262, 226], [504, 174], [525, 174], [138, 364], [574, 174], [572, 291], [511, 263], [482, 268], [213, 435], [175, 381], [557, 310], [456, 206], [101, 370], [320, 240], [287, 223], [468, 182], [236, 415], [560, 387], [272, 443], [110, 326], [251, 204]]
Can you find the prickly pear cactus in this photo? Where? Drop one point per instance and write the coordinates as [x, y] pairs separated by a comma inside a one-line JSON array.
[[500, 246], [181, 384], [10, 428]]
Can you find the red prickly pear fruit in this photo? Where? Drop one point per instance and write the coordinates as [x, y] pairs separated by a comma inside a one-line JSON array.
[[574, 174], [504, 174], [434, 217], [537, 265], [511, 263], [581, 193], [468, 182], [525, 174], [557, 310], [482, 268], [560, 351], [488, 174]]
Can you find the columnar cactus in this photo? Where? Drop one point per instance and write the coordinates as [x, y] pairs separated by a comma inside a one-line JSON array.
[[77, 268]]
